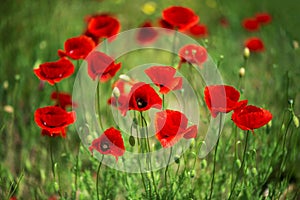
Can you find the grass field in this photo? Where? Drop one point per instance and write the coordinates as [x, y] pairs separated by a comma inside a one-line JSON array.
[[33, 166]]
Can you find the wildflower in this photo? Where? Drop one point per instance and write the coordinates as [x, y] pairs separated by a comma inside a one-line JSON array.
[[163, 77], [263, 18], [193, 54], [171, 126], [251, 117], [198, 30], [110, 142], [62, 99], [102, 66], [180, 17], [54, 120], [250, 24], [255, 44], [54, 72], [147, 34], [222, 99], [77, 47]]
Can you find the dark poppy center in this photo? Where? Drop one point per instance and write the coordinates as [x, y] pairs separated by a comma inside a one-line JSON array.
[[104, 146], [141, 103]]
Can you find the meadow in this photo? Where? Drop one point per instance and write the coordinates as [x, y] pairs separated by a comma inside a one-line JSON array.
[[240, 164]]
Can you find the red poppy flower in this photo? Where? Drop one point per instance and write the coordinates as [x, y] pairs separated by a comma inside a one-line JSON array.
[[163, 77], [53, 119], [193, 54], [62, 99], [110, 142], [171, 126], [101, 65], [164, 24], [263, 18], [103, 26], [120, 102], [77, 47], [143, 97], [222, 99], [255, 44], [250, 24], [180, 17], [147, 34], [53, 72], [198, 30], [251, 117]]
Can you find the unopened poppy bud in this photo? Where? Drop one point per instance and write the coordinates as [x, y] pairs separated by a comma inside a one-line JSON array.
[[291, 101], [246, 53], [192, 154], [177, 159], [5, 85], [131, 141], [56, 186], [296, 121], [238, 163], [17, 77], [192, 173], [192, 143], [149, 8], [254, 171], [8, 109], [124, 77], [116, 92], [203, 164], [242, 72], [295, 44]]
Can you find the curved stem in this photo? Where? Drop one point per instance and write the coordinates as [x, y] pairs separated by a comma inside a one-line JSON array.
[[241, 168], [215, 158], [97, 180]]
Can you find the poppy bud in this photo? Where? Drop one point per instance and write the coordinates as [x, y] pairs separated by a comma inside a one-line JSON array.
[[17, 77], [131, 141], [192, 173], [296, 44], [8, 109], [134, 122], [291, 101], [5, 85], [203, 164], [177, 159], [192, 154], [116, 92], [254, 171], [242, 72], [149, 7], [296, 121], [56, 186], [246, 53], [124, 77], [238, 163]]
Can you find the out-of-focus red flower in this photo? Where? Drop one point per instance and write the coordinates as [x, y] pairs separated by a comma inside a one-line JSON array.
[[102, 66], [120, 102], [198, 30], [250, 24], [164, 24], [54, 72], [163, 77], [263, 18], [251, 117], [102, 26], [142, 97], [180, 17], [255, 44], [110, 142], [62, 99], [147, 34], [171, 126], [77, 47], [53, 120], [13, 198], [53, 197], [224, 22], [193, 54], [222, 99]]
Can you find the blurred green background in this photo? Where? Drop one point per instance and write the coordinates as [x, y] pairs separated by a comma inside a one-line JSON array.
[[31, 32]]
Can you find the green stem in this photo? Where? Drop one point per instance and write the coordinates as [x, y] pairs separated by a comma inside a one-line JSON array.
[[97, 180], [241, 168], [215, 158], [173, 48], [99, 106], [166, 171]]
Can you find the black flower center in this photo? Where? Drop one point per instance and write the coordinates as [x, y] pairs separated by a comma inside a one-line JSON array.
[[104, 146], [141, 103]]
